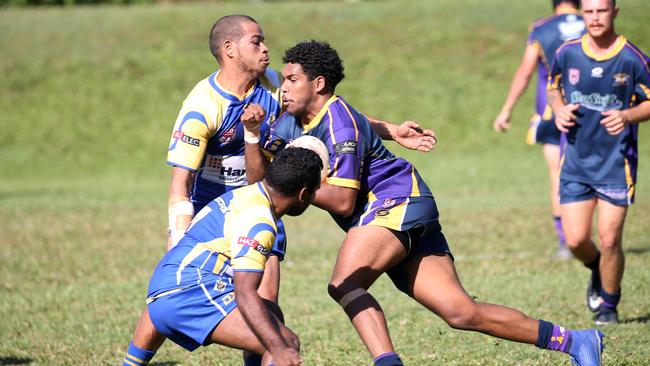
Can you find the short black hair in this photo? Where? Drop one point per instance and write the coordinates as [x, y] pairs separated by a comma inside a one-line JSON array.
[[227, 28], [294, 168], [575, 3], [317, 59]]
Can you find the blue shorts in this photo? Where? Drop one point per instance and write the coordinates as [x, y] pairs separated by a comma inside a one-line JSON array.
[[189, 316], [541, 131], [413, 220], [616, 194]]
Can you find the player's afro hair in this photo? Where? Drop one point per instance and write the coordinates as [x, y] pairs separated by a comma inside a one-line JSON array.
[[317, 59], [294, 168]]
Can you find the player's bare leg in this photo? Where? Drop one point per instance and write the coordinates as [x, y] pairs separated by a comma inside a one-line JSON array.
[[576, 220], [435, 284], [358, 265], [145, 342]]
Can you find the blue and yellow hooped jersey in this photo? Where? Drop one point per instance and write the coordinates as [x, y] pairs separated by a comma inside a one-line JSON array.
[[208, 136], [546, 35], [598, 83], [234, 232], [357, 157]]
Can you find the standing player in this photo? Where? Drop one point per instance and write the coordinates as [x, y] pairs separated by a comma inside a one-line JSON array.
[[599, 88], [207, 146], [546, 35], [204, 290], [391, 221]]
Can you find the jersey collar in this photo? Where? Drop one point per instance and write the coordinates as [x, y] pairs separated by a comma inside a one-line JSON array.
[[319, 116], [620, 43], [228, 94], [564, 9]]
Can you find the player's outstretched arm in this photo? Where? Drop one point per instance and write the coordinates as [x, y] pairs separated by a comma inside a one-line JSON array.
[[180, 209], [254, 159], [518, 86], [261, 321], [615, 120], [409, 134]]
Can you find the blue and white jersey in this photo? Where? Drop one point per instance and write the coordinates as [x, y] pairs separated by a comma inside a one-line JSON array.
[[598, 83], [208, 136]]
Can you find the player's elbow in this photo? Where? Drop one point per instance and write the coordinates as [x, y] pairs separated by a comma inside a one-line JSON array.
[[345, 208]]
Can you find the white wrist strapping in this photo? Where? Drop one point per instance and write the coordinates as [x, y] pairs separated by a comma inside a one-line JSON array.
[[252, 137], [180, 215]]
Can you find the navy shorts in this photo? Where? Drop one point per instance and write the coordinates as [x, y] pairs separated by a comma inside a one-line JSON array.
[[414, 220], [189, 316], [616, 194], [541, 131]]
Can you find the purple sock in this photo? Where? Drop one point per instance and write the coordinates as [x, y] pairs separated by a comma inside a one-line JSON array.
[[388, 359], [559, 231], [559, 339]]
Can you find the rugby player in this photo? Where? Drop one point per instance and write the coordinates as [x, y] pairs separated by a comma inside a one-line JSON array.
[[599, 86], [545, 36], [391, 221]]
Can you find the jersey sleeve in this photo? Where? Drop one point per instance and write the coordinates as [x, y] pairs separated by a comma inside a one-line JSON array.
[[192, 130], [555, 73], [345, 155], [642, 81], [252, 240]]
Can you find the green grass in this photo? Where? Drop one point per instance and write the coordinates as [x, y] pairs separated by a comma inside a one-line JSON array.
[[89, 96]]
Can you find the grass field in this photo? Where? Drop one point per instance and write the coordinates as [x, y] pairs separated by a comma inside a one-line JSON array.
[[88, 98]]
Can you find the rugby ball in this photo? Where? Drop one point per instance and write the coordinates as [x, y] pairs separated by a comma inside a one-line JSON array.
[[316, 145]]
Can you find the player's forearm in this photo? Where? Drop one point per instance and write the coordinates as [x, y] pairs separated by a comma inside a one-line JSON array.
[[259, 319], [255, 162], [335, 199], [383, 129], [517, 88], [554, 99], [638, 114]]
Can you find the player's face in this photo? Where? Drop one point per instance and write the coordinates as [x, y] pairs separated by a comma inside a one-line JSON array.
[[599, 17], [297, 90], [306, 198], [252, 54]]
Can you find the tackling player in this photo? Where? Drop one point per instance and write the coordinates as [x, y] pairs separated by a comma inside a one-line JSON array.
[[599, 87], [204, 290], [391, 221], [546, 35]]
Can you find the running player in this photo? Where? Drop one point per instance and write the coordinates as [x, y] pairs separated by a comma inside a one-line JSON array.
[[546, 35], [204, 290], [599, 88], [391, 221]]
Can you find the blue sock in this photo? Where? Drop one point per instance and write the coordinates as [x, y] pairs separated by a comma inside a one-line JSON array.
[[610, 301], [137, 356], [388, 359], [552, 337], [253, 359], [557, 221]]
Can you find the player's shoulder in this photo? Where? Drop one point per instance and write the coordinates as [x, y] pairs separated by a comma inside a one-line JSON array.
[[202, 93], [635, 53], [571, 47], [538, 24], [252, 204]]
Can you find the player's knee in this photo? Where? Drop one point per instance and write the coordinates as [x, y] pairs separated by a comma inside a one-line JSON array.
[[577, 240], [466, 317], [609, 242], [345, 295]]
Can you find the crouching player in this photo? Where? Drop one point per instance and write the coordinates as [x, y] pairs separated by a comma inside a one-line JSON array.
[[204, 290]]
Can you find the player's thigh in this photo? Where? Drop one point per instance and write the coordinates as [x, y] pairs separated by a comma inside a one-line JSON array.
[[234, 332], [576, 219], [435, 285], [551, 154], [367, 252], [611, 219]]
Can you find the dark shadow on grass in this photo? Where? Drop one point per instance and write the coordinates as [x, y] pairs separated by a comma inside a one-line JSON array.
[[639, 319], [170, 363], [15, 360], [636, 250]]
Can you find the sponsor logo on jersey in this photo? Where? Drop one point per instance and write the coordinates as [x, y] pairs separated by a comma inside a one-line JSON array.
[[222, 205], [382, 212], [572, 28], [220, 285], [227, 135], [621, 79], [225, 169], [179, 135], [574, 76], [247, 242], [346, 147], [596, 102], [597, 72], [389, 202]]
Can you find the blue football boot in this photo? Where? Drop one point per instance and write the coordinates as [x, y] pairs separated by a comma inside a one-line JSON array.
[[586, 347]]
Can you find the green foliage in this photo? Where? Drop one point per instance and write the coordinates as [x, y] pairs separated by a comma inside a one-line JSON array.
[[89, 96]]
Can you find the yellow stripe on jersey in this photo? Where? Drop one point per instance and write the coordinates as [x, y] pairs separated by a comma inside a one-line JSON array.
[[620, 43], [646, 90], [628, 174], [354, 122], [344, 182], [555, 83], [415, 190]]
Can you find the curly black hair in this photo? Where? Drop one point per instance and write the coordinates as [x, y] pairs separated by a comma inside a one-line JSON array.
[[317, 59], [294, 168]]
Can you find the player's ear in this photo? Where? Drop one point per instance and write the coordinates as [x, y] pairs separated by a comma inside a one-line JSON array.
[[306, 195], [319, 83], [228, 48]]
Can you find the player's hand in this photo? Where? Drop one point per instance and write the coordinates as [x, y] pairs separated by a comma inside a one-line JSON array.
[[411, 136], [286, 357], [252, 119], [565, 118], [615, 121], [502, 122]]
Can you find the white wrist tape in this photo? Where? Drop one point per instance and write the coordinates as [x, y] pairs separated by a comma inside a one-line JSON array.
[[180, 216]]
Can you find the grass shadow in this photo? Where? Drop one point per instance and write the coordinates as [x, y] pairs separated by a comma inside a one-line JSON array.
[[15, 360], [639, 319], [636, 250]]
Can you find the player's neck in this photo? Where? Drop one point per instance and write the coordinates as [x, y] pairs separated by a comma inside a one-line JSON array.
[[235, 82], [315, 107], [603, 44]]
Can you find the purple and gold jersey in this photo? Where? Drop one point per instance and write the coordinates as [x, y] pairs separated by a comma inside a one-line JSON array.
[[357, 158], [546, 35], [208, 137], [617, 80], [234, 232]]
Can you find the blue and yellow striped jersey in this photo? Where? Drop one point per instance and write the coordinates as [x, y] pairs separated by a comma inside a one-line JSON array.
[[598, 83], [234, 232], [208, 137]]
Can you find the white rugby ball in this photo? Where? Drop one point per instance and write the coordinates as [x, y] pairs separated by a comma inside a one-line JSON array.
[[316, 145]]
